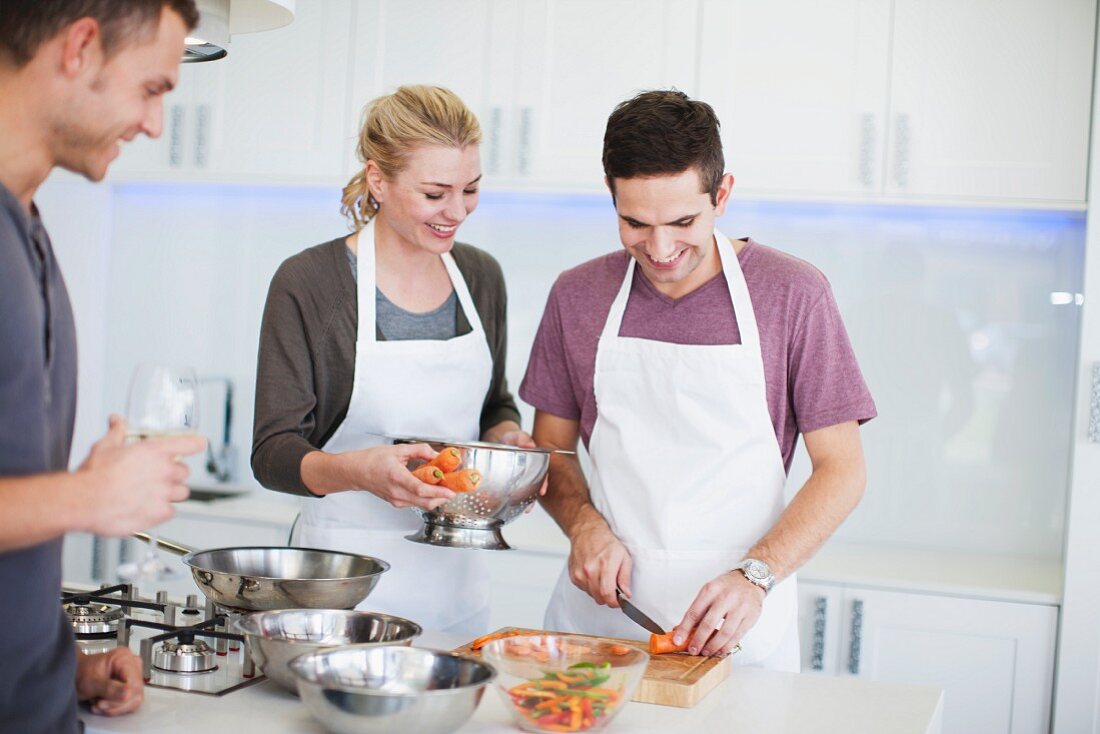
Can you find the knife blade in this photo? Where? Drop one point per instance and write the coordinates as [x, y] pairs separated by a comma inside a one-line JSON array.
[[636, 614]]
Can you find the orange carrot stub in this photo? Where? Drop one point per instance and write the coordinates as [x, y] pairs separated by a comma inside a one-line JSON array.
[[462, 481], [448, 459], [482, 641], [660, 644], [428, 474]]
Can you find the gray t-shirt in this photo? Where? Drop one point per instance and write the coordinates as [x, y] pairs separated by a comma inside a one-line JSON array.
[[38, 406], [397, 324]]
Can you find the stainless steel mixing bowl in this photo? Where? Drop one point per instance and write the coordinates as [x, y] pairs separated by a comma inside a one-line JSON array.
[[361, 690], [277, 637], [510, 481]]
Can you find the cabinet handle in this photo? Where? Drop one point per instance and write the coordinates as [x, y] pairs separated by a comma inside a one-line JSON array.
[[1094, 405], [97, 558], [867, 151], [202, 129], [524, 162], [857, 637], [901, 150], [175, 135], [817, 657], [494, 140]]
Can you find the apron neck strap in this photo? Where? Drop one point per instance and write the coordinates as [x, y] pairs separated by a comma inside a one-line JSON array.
[[739, 292], [735, 281], [368, 286], [367, 283]]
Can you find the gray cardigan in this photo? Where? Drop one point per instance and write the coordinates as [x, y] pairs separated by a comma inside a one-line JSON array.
[[306, 360]]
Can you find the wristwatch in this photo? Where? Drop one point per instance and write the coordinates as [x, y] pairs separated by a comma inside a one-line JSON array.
[[757, 572]]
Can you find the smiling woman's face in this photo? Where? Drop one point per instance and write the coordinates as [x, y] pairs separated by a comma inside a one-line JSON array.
[[666, 223], [425, 203]]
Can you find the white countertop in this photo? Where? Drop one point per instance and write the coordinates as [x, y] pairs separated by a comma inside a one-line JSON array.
[[750, 701]]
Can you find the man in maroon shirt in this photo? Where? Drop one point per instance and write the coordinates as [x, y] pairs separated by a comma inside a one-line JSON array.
[[689, 363]]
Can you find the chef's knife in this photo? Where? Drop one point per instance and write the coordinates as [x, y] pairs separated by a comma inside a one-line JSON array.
[[637, 614]]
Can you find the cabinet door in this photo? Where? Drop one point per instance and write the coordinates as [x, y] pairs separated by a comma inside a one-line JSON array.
[[820, 615], [274, 109], [173, 154], [995, 660], [437, 42], [990, 98], [800, 88], [577, 60], [279, 106]]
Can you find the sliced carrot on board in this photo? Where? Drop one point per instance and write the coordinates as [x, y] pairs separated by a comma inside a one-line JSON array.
[[482, 641], [428, 474], [660, 644], [620, 650], [462, 481], [448, 459]]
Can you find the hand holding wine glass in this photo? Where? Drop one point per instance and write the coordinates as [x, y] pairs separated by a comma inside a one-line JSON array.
[[136, 484], [163, 403]]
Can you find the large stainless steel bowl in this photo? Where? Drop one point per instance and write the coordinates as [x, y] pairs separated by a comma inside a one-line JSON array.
[[361, 690], [262, 578], [510, 481], [277, 637]]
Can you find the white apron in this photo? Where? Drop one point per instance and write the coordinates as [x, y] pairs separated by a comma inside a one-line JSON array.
[[430, 388], [688, 474]]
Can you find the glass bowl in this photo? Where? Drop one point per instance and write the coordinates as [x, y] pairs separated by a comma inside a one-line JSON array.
[[555, 683]]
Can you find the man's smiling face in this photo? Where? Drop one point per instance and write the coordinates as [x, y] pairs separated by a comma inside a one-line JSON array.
[[666, 223]]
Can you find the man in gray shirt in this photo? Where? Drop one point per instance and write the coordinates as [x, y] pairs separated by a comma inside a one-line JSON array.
[[76, 78]]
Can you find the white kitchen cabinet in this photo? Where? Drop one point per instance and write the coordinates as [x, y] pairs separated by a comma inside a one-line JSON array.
[[577, 60], [903, 99], [472, 53], [800, 89], [273, 110], [991, 98], [542, 76], [994, 659]]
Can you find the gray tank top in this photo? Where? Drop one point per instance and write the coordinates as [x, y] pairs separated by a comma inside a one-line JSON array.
[[397, 324]]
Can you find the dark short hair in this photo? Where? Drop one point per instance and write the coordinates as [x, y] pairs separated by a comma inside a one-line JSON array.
[[26, 24], [663, 133]]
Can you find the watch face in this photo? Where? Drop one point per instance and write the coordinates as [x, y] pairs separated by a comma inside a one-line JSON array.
[[757, 570]]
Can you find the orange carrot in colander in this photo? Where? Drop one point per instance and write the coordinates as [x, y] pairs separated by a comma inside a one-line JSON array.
[[428, 474], [448, 459], [462, 481]]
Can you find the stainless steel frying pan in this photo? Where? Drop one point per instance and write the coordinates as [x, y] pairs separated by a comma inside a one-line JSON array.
[[260, 578]]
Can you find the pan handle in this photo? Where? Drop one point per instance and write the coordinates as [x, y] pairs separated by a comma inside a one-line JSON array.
[[169, 545]]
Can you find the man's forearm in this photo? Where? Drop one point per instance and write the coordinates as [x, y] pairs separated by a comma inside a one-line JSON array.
[[40, 507], [825, 500], [567, 499]]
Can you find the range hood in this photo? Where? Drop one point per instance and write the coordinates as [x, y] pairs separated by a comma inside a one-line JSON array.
[[221, 19]]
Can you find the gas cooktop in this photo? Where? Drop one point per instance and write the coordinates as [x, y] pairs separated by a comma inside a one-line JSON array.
[[183, 646]]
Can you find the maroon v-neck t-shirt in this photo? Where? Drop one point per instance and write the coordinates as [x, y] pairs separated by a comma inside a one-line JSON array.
[[813, 379]]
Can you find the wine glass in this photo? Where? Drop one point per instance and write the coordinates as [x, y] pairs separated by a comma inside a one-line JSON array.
[[162, 401]]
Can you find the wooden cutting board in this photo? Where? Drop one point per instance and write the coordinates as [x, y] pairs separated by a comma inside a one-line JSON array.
[[669, 680]]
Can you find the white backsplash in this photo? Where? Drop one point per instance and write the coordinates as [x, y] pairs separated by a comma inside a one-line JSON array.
[[968, 354]]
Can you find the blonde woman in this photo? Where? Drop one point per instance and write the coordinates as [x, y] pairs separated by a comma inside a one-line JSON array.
[[393, 330]]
